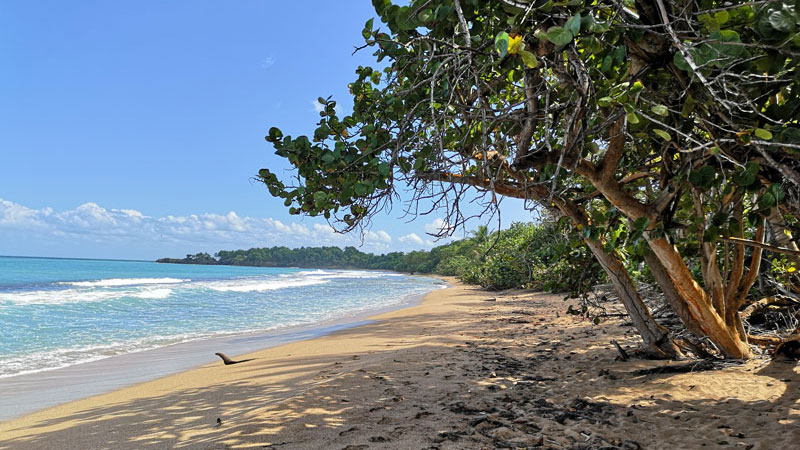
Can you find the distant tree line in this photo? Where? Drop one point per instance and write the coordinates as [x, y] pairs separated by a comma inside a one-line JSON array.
[[545, 256], [320, 257]]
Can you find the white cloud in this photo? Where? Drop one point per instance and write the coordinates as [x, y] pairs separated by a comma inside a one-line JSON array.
[[92, 223], [14, 215], [412, 238], [437, 225], [133, 213], [267, 62], [378, 236]]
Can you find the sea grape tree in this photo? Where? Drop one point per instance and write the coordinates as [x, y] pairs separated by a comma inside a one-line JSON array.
[[664, 129]]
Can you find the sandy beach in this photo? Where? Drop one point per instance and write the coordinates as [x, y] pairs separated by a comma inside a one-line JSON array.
[[464, 369]]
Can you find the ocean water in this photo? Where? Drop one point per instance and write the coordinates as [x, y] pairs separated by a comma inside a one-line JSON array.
[[61, 312]]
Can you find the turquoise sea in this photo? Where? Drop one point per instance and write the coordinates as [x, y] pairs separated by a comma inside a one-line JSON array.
[[62, 312]]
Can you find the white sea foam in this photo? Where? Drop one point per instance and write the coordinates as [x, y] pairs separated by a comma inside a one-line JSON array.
[[359, 274], [161, 288], [153, 293], [284, 281], [56, 297], [117, 282], [65, 357], [325, 274], [259, 285]]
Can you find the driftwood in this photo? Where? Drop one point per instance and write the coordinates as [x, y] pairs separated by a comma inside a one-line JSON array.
[[623, 355], [765, 303], [696, 366], [790, 347], [229, 361], [764, 341]]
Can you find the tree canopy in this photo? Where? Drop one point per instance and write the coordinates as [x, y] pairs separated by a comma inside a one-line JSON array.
[[664, 131]]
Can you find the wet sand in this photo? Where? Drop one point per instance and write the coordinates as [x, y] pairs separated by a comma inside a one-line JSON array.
[[465, 369]]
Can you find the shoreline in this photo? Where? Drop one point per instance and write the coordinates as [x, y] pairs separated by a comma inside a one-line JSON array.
[[29, 393], [463, 369]]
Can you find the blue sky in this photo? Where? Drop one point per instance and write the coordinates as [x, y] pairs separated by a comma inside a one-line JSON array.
[[133, 129]]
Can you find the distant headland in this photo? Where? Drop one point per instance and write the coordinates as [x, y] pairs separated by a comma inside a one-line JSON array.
[[321, 258]]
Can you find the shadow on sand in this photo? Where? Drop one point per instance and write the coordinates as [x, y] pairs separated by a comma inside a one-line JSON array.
[[452, 377]]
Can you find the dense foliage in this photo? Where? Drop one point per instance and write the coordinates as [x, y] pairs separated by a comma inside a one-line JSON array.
[[676, 121], [541, 257], [535, 256], [314, 257]]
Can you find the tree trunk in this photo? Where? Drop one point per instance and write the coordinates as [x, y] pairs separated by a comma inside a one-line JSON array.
[[697, 301], [656, 338], [671, 294]]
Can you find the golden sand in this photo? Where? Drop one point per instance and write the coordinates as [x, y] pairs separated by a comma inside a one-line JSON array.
[[458, 371]]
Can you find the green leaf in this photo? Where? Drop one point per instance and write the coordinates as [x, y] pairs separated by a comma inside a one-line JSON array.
[[604, 101], [319, 198], [782, 20], [763, 134], [746, 176], [777, 191], [791, 135], [641, 223], [722, 49], [608, 61], [274, 135], [661, 110], [719, 218], [680, 62], [322, 132], [529, 59], [703, 177], [711, 234], [767, 200], [426, 15], [367, 31], [327, 157], [721, 17], [501, 43], [559, 36], [662, 134], [633, 118], [619, 54], [573, 25], [360, 189]]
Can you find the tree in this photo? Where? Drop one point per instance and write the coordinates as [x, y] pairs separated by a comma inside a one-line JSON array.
[[674, 124]]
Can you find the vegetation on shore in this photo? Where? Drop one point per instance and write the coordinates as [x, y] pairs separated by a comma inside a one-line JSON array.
[[542, 256]]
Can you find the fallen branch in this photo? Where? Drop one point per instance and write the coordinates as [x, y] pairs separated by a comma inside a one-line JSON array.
[[683, 368], [767, 247], [764, 341], [766, 302], [623, 355], [790, 347]]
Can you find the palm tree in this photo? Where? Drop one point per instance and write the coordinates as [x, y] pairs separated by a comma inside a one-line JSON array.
[[480, 238]]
